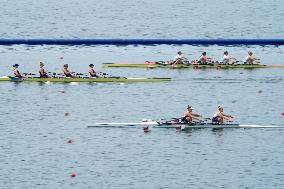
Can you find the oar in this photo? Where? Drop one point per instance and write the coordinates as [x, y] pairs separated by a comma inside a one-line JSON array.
[[206, 118], [82, 75], [28, 74], [109, 76]]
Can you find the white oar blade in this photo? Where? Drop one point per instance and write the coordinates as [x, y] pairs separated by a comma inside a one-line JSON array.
[[261, 126]]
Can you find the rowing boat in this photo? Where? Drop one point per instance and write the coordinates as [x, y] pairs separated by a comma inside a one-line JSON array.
[[161, 64], [83, 79], [183, 126]]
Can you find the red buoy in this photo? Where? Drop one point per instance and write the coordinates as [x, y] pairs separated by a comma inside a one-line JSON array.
[[66, 114], [73, 174], [69, 141], [146, 129], [282, 113], [260, 91]]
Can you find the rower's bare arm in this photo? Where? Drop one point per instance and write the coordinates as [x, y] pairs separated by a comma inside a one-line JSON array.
[[197, 115], [228, 117], [196, 118]]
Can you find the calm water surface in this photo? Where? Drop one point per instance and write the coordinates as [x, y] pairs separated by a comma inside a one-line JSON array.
[[34, 152], [150, 19]]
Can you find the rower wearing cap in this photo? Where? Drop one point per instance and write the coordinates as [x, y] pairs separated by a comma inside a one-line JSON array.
[[179, 58], [226, 58], [203, 59], [66, 72], [42, 72], [250, 59], [219, 116], [16, 71], [189, 116], [92, 72]]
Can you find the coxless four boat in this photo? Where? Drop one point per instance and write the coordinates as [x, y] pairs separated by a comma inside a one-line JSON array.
[[82, 79], [162, 64]]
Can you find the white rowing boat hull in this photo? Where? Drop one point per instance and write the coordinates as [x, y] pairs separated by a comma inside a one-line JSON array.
[[155, 124]]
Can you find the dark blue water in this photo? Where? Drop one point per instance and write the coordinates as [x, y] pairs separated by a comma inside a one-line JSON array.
[[34, 130]]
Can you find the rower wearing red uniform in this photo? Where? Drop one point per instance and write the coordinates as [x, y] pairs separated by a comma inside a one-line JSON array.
[[250, 59], [189, 116], [203, 59], [92, 72], [16, 71]]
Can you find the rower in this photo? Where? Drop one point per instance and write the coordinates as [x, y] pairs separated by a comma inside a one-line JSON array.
[[42, 72], [226, 58], [16, 71], [203, 59], [250, 59], [219, 116], [189, 117], [66, 72], [179, 58], [92, 72]]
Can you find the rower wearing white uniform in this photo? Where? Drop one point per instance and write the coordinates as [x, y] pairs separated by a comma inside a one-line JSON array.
[[220, 116], [179, 58], [189, 116], [226, 58], [250, 59]]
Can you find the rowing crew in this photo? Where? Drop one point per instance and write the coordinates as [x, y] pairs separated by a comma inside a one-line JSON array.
[[44, 74], [180, 58], [218, 118]]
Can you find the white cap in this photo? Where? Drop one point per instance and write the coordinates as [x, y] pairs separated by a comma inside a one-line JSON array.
[[189, 107]]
